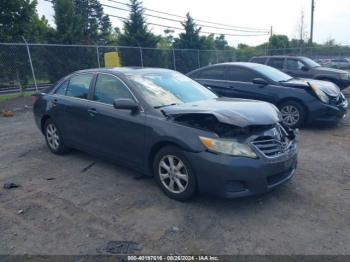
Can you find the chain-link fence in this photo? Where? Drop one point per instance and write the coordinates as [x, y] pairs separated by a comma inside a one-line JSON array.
[[25, 65], [50, 62], [324, 52]]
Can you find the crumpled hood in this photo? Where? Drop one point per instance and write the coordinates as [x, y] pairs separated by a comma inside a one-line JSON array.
[[233, 111], [327, 87]]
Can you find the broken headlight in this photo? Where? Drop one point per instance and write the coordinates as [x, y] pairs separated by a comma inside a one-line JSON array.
[[320, 94], [228, 147]]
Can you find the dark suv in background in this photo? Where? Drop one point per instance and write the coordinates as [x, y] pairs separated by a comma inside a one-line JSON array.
[[299, 66], [298, 100]]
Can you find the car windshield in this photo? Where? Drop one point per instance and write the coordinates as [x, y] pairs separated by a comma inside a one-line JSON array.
[[166, 88], [310, 63], [272, 73]]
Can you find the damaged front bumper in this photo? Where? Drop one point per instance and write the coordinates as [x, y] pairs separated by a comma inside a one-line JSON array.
[[232, 177]]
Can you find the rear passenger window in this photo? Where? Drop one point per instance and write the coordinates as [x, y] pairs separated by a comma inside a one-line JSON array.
[[109, 88], [216, 72], [259, 60], [79, 86], [276, 62], [240, 74], [61, 90]]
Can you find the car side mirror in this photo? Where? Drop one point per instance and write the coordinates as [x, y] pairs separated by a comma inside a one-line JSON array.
[[126, 104], [304, 68], [260, 81]]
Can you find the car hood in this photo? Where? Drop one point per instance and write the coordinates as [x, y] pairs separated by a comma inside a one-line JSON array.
[[233, 111], [322, 69], [327, 87]]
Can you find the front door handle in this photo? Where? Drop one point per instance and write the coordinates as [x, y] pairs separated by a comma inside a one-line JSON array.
[[92, 111], [54, 102]]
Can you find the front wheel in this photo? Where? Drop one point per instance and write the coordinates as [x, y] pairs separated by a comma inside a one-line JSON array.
[[174, 174], [293, 114]]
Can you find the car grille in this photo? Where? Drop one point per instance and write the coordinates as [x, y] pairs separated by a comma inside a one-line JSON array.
[[336, 100], [273, 146]]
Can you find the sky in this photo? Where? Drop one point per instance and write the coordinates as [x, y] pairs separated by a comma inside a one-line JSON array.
[[331, 19]]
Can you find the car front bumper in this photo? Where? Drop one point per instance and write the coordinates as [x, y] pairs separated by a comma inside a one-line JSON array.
[[326, 113], [232, 177]]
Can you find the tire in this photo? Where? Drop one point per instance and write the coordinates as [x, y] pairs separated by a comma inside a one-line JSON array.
[[177, 180], [293, 114], [54, 139]]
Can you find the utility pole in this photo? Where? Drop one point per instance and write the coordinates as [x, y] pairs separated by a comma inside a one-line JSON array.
[[271, 31], [312, 20], [301, 26]]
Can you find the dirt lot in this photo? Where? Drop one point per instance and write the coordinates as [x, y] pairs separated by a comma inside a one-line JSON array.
[[62, 208]]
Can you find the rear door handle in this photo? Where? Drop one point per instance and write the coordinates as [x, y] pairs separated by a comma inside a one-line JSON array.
[[92, 111]]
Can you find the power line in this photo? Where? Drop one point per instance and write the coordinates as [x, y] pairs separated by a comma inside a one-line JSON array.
[[203, 21], [182, 29], [179, 21]]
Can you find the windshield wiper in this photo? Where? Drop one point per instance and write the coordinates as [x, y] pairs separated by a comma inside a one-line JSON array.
[[157, 107]]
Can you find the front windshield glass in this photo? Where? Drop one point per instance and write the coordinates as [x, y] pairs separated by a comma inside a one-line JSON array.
[[273, 73], [165, 88], [310, 63]]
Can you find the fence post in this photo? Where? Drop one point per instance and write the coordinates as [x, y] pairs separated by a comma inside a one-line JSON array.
[[217, 58], [98, 56], [30, 62], [141, 56], [174, 61], [198, 59]]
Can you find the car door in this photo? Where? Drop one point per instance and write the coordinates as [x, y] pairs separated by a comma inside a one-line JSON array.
[[297, 68], [241, 84], [116, 133], [215, 78], [76, 115], [277, 62]]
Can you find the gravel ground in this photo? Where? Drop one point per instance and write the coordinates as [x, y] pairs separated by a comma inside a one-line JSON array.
[[63, 208]]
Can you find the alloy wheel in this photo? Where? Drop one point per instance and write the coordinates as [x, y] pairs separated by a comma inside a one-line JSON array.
[[52, 136], [173, 174], [290, 115]]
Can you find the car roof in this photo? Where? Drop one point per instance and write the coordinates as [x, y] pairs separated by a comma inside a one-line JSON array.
[[125, 70], [278, 56], [242, 64]]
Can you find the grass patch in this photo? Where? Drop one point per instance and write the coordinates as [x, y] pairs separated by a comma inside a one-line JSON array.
[[8, 97]]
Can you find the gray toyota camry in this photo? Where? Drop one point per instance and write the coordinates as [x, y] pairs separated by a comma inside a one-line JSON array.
[[166, 125]]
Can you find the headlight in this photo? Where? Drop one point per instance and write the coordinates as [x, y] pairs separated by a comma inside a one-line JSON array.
[[344, 76], [228, 147], [322, 96]]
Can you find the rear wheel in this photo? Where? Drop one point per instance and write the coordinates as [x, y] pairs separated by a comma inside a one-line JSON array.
[[174, 174], [293, 114], [53, 138]]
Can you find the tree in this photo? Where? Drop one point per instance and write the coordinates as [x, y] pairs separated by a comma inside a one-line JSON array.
[[278, 41], [81, 22], [136, 33], [190, 39], [15, 19]]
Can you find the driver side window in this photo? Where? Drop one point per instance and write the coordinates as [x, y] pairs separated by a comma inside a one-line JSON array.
[[294, 64], [108, 88]]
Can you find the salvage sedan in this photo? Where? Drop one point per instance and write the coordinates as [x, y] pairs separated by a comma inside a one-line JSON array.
[[299, 100], [164, 124]]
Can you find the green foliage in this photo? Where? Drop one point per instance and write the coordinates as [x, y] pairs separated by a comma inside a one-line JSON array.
[[136, 33], [81, 22], [16, 18], [278, 41], [245, 52]]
